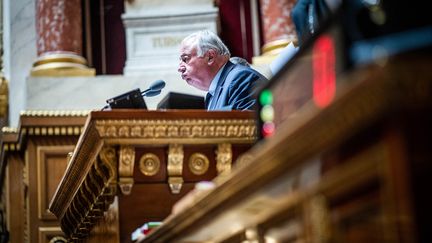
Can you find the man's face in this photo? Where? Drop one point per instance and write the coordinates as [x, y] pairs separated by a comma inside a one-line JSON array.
[[194, 70]]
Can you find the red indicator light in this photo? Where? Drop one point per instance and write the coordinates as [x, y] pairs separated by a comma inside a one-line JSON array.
[[268, 129], [324, 76]]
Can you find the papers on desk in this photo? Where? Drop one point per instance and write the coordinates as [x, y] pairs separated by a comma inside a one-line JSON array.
[[286, 54], [144, 230]]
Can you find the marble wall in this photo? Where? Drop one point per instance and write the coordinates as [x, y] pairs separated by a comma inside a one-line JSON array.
[[91, 93], [19, 40], [84, 93], [154, 30]]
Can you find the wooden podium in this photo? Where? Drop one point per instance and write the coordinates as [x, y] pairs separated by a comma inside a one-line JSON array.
[[356, 171], [33, 161], [129, 167]]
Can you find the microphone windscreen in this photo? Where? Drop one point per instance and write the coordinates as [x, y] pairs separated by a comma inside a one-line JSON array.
[[152, 93], [157, 85]]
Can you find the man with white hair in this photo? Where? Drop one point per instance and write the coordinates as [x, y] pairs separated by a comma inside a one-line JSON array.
[[204, 64]]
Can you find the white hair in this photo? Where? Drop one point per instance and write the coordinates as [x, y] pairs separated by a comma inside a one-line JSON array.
[[206, 40]]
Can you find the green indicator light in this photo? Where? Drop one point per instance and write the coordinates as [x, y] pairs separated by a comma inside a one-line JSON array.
[[266, 97]]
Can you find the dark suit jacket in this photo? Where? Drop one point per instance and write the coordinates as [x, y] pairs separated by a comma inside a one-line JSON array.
[[236, 88]]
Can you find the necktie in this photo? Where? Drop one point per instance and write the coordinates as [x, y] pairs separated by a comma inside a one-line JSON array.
[[207, 100]]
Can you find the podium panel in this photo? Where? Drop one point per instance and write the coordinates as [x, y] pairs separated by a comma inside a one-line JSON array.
[[130, 167]]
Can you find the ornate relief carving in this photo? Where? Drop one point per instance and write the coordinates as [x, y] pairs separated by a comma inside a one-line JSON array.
[[126, 168], [127, 158], [9, 130], [242, 129], [55, 131], [223, 158], [94, 196], [58, 130], [149, 164], [175, 184], [198, 163], [175, 167], [175, 160], [54, 113]]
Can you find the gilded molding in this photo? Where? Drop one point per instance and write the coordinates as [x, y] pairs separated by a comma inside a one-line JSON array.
[[175, 160], [126, 168], [149, 164], [46, 130], [175, 184], [229, 129], [223, 158], [198, 163], [55, 131], [55, 113], [61, 65], [9, 130], [42, 130], [175, 167], [13, 146], [127, 159]]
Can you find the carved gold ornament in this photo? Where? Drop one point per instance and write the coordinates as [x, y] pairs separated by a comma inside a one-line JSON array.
[[127, 159], [233, 130], [223, 158], [198, 163], [175, 167], [149, 164], [93, 197], [126, 168]]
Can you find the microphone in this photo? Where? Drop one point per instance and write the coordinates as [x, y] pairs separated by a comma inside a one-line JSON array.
[[157, 85], [129, 100], [134, 98], [151, 93]]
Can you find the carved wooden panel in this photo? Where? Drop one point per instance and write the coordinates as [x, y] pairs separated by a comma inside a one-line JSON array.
[[51, 235], [51, 165], [15, 198]]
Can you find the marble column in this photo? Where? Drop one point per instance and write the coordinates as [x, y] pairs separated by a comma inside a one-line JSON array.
[[278, 27], [59, 39]]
